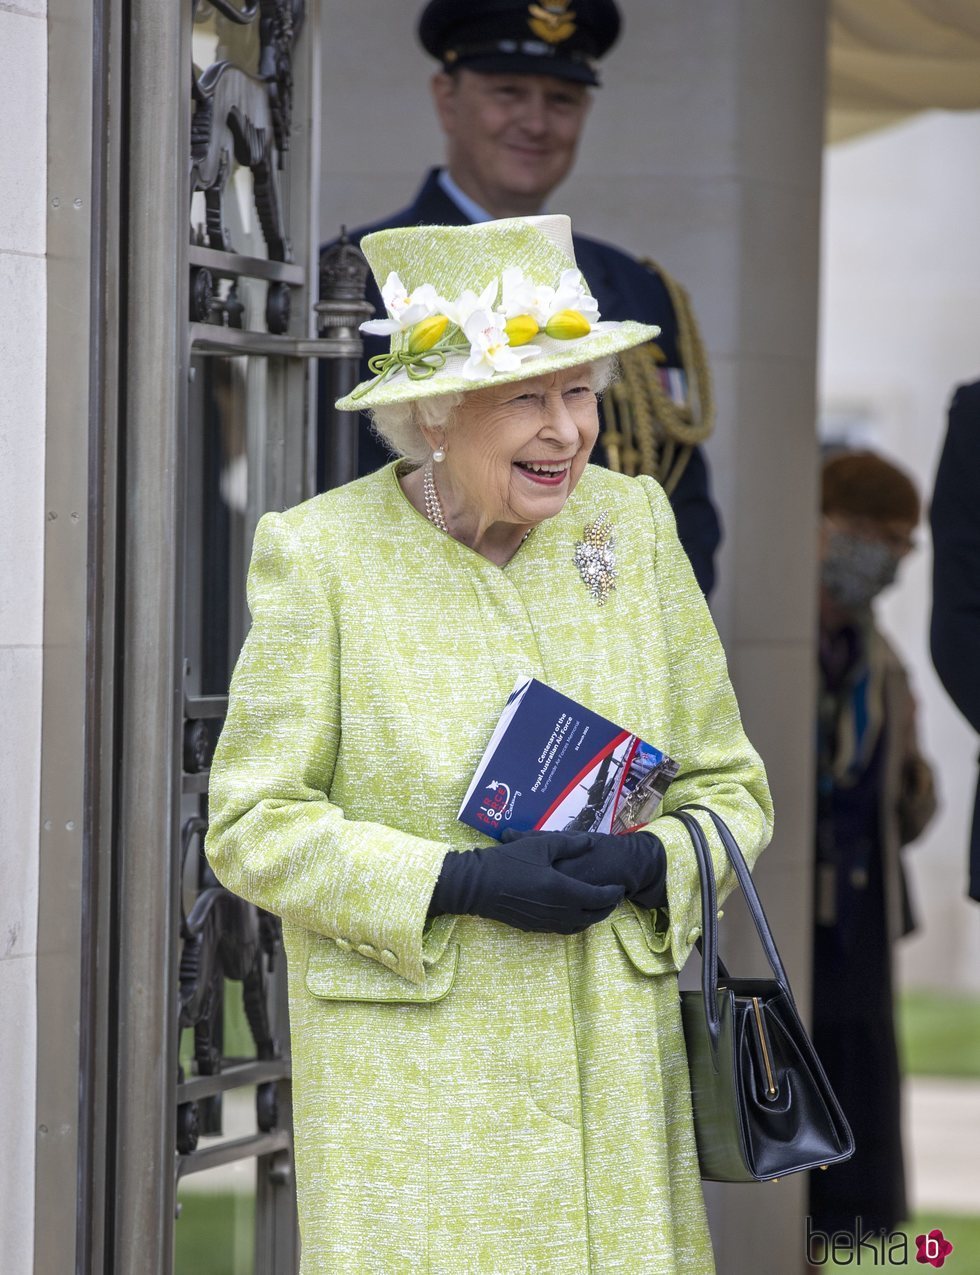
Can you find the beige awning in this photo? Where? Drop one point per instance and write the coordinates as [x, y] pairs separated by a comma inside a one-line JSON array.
[[890, 58]]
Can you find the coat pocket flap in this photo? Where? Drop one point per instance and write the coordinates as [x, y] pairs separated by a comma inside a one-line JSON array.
[[642, 943], [335, 975]]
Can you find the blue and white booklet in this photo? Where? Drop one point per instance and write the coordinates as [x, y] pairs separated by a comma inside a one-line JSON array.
[[553, 764]]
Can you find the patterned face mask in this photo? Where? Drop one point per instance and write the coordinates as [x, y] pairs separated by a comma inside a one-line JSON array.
[[856, 569]]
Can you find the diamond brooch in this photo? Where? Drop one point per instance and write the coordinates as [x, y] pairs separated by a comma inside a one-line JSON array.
[[596, 559]]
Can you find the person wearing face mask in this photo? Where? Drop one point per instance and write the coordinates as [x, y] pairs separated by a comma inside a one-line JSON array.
[[874, 795]]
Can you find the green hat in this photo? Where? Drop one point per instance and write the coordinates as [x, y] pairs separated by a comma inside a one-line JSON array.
[[474, 306]]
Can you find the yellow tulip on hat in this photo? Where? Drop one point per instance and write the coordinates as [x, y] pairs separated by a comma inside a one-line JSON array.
[[568, 325]]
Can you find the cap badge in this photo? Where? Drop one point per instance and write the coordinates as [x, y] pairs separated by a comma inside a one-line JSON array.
[[552, 22]]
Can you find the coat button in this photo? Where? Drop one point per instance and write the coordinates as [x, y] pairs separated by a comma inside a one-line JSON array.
[[343, 944], [366, 949], [389, 958]]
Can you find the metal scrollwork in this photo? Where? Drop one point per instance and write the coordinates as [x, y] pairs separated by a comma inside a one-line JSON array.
[[279, 28], [223, 938], [201, 295], [247, 118], [197, 746], [242, 16]]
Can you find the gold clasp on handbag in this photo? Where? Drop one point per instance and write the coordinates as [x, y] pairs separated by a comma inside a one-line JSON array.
[[766, 1055]]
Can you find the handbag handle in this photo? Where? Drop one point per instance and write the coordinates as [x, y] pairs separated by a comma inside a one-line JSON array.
[[709, 912], [708, 943], [756, 910]]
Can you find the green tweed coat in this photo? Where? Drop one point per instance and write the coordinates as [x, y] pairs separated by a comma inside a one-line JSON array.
[[470, 1099]]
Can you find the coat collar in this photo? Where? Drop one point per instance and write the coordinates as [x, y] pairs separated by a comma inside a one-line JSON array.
[[433, 207]]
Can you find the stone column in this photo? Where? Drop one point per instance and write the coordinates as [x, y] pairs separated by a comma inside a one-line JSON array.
[[22, 357], [716, 174], [703, 151]]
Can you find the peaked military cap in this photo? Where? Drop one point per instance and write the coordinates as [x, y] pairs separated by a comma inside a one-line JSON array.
[[563, 38]]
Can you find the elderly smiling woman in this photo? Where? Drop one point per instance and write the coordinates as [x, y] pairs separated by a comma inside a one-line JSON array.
[[489, 1068]]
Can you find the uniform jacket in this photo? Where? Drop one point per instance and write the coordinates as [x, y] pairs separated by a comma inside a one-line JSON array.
[[625, 289], [469, 1097], [955, 519]]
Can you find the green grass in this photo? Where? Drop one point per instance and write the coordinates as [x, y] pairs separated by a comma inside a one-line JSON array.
[[215, 1234], [962, 1232], [940, 1035]]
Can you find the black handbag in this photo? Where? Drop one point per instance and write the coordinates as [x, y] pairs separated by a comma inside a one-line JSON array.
[[763, 1106]]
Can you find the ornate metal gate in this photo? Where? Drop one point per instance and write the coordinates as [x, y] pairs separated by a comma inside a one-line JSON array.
[[208, 247]]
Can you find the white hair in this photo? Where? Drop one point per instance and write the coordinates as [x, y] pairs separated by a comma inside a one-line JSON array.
[[400, 425]]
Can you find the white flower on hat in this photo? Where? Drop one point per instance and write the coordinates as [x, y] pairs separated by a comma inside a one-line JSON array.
[[540, 302], [521, 296], [467, 303], [404, 309], [572, 295], [490, 348]]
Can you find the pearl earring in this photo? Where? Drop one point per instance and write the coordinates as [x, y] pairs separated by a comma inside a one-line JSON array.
[[439, 455]]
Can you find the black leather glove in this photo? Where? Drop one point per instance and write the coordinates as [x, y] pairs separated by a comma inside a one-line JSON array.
[[519, 882], [635, 860]]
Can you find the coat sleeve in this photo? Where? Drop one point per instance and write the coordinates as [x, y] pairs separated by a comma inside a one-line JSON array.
[[955, 518], [719, 768], [915, 787], [698, 527], [275, 837]]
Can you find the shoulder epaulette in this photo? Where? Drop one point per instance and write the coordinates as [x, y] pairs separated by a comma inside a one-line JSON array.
[[647, 429]]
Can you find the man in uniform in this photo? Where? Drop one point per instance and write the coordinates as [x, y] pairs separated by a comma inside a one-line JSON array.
[[512, 97]]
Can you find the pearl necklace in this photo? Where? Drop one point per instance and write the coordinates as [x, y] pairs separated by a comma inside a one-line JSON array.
[[433, 505]]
